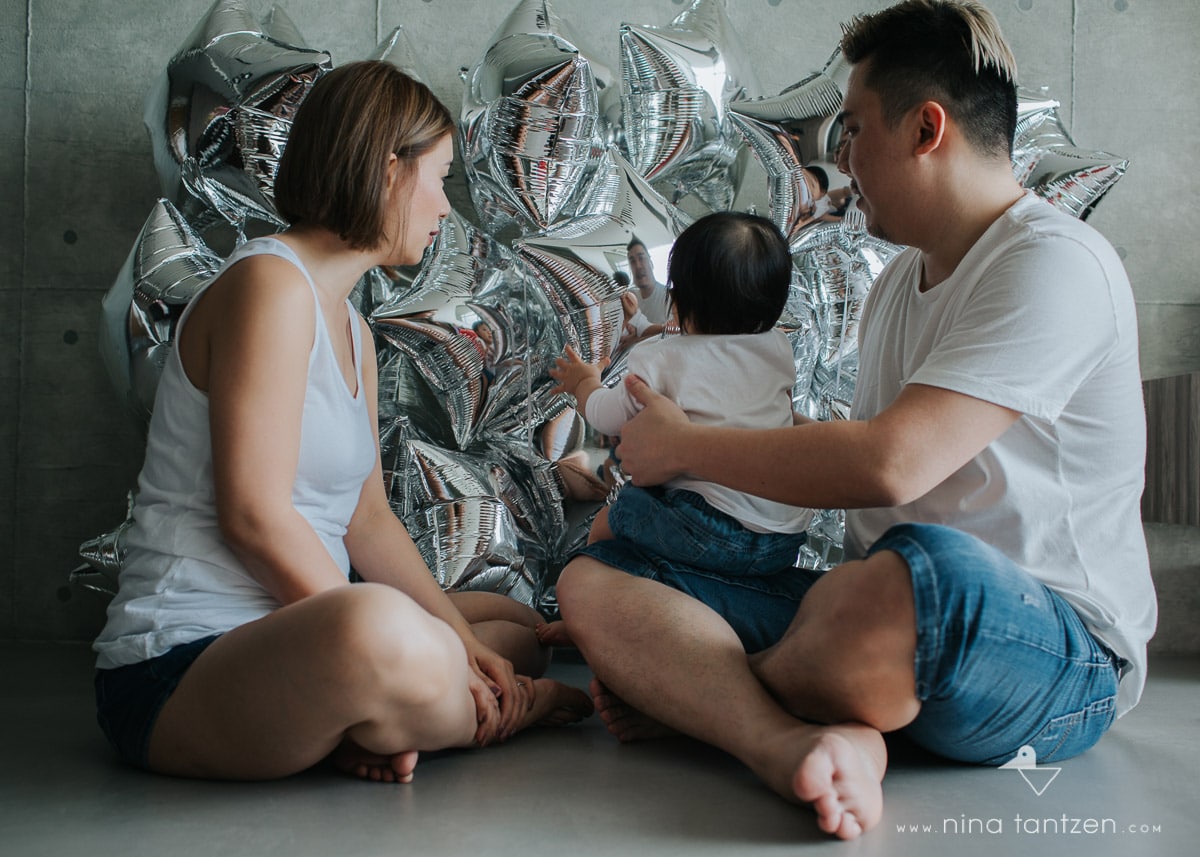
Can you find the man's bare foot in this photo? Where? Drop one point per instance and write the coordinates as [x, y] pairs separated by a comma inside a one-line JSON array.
[[553, 634], [556, 704], [350, 758], [625, 722], [838, 770]]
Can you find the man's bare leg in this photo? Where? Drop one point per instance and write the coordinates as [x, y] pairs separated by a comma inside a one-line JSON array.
[[677, 661], [847, 657]]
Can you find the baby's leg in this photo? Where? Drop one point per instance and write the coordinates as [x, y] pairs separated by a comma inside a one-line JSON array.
[[600, 531]]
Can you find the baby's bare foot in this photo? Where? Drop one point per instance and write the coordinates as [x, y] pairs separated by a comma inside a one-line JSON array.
[[625, 722], [350, 758]]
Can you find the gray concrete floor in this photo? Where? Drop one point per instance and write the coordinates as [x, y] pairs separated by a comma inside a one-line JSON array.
[[574, 791]]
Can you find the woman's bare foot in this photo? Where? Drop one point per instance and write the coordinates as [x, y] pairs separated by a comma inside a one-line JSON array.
[[350, 758], [553, 634], [625, 722], [579, 481], [838, 770], [556, 704]]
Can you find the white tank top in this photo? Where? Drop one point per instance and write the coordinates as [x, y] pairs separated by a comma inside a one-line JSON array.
[[180, 581]]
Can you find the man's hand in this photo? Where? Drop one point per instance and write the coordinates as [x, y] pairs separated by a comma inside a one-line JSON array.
[[652, 449]]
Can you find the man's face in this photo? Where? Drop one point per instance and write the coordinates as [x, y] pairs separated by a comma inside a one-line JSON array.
[[641, 267], [872, 154]]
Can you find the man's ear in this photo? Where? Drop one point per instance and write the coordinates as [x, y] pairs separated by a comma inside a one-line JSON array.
[[931, 127]]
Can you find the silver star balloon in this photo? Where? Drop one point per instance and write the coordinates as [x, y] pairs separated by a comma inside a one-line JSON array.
[[530, 125], [1048, 161], [836, 264], [465, 532], [788, 132], [168, 264], [220, 114], [676, 83], [575, 263]]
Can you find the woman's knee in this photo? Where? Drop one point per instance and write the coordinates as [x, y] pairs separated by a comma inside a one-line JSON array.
[[392, 644]]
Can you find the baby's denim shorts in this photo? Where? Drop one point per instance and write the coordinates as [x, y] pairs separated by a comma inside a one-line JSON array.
[[1002, 661], [675, 537], [129, 698]]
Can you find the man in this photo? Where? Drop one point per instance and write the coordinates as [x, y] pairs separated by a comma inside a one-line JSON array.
[[998, 590], [653, 297]]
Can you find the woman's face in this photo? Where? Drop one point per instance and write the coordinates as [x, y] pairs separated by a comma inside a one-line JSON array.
[[426, 203]]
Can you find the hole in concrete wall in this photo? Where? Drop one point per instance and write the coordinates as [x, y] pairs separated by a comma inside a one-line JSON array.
[[70, 237], [1120, 5], [70, 337], [1025, 5]]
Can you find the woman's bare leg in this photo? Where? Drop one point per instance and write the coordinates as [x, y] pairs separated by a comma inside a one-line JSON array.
[[507, 627], [362, 668]]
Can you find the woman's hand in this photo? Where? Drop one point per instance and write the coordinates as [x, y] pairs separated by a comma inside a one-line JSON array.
[[651, 449], [512, 695]]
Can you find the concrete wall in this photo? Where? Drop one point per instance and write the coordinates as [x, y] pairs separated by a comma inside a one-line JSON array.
[[77, 181]]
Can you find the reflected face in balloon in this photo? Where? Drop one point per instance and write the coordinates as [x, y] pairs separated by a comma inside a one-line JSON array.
[[871, 153], [641, 267], [426, 203]]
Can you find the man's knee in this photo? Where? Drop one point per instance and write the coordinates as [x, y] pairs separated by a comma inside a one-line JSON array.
[[577, 585]]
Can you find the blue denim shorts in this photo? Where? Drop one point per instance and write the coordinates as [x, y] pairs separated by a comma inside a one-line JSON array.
[[1002, 661], [129, 698], [674, 537]]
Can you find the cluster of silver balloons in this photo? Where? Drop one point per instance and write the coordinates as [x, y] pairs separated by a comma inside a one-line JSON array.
[[567, 164]]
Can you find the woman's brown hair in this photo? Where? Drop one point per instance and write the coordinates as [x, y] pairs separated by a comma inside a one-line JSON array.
[[334, 168]]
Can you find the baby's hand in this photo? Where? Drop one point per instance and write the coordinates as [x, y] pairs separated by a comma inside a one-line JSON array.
[[570, 371]]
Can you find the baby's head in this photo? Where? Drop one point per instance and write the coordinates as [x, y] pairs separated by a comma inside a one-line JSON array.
[[730, 274], [819, 185]]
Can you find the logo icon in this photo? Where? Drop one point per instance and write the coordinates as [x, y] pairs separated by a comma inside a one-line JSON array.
[[1025, 764]]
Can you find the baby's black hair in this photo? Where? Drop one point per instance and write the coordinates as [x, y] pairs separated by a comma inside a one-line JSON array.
[[821, 176], [730, 274]]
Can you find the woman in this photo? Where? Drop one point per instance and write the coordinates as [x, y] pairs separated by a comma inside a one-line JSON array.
[[235, 647]]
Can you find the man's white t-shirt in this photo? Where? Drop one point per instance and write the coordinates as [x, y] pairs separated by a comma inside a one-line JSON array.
[[1039, 318], [657, 306]]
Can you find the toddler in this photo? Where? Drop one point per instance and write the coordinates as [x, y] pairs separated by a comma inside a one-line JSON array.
[[729, 276]]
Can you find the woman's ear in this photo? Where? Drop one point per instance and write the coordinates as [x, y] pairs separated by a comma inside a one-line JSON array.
[[392, 172], [931, 127]]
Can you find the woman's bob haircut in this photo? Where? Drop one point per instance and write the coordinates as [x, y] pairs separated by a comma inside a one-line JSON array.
[[334, 167]]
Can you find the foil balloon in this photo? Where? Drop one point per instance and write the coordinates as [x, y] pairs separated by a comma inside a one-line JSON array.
[[397, 49], [530, 123], [168, 264], [220, 114], [1047, 160], [465, 533], [447, 362], [788, 132], [575, 263], [836, 265], [676, 83], [103, 557]]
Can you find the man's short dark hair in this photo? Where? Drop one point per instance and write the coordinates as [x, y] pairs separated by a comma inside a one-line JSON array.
[[333, 169], [729, 274], [948, 51]]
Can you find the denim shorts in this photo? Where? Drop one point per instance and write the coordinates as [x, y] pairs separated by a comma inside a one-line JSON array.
[[674, 537], [1002, 661], [129, 698]]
